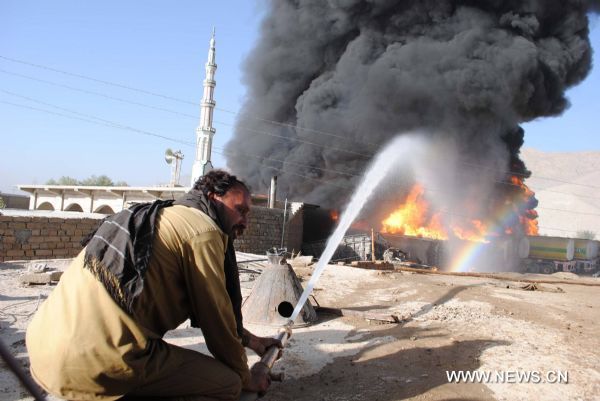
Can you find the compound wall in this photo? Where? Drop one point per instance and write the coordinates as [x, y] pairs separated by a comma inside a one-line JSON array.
[[35, 237]]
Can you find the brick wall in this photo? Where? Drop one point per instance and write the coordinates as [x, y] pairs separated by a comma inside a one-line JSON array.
[[23, 238], [265, 228]]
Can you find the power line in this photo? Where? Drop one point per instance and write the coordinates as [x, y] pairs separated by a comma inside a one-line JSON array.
[[368, 156], [97, 94], [298, 174], [298, 127], [447, 212], [244, 154], [104, 122], [96, 80], [327, 147], [100, 122], [113, 124], [262, 132], [122, 86]]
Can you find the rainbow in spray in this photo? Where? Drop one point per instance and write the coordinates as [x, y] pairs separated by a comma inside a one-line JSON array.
[[468, 256]]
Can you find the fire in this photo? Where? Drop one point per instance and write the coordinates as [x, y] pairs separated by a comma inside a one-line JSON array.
[[334, 215], [412, 218], [529, 220], [476, 231]]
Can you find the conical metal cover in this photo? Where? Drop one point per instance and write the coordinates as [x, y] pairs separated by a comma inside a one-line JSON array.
[[274, 297]]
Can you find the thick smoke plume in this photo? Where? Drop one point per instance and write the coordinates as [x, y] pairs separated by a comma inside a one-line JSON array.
[[356, 73]]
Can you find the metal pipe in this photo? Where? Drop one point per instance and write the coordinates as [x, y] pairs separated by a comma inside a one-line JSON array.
[[372, 245], [270, 357], [283, 225], [273, 192], [272, 353], [14, 365]]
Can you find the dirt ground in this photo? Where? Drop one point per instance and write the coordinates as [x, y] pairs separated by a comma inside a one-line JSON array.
[[449, 324]]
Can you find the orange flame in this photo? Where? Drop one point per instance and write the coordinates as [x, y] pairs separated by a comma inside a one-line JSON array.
[[411, 218], [414, 218], [529, 222], [334, 215], [475, 232]]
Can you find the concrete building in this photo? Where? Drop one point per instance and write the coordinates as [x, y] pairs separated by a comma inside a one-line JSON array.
[[104, 200], [14, 201]]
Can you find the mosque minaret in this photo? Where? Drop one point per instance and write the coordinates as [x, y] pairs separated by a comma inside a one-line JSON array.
[[205, 131]]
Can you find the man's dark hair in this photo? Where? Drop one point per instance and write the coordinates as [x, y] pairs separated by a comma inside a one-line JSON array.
[[218, 182]]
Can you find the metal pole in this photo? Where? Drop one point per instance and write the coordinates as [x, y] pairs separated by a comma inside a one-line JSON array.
[[283, 225], [273, 192], [13, 364], [372, 245]]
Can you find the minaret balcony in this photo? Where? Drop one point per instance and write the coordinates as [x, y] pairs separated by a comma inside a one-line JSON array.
[[206, 131]]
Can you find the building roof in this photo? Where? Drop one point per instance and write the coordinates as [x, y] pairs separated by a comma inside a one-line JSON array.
[[50, 213], [155, 191]]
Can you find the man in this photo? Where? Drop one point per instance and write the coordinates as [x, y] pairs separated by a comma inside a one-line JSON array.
[[146, 270]]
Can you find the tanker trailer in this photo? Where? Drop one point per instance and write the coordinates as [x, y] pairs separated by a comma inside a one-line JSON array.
[[586, 255], [549, 254]]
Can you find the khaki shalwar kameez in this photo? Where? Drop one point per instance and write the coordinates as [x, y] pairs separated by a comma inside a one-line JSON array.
[[83, 346]]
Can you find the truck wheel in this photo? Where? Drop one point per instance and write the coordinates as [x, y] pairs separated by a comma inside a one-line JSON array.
[[547, 269]]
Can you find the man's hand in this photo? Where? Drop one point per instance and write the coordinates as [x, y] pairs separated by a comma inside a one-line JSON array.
[[261, 344], [260, 378]]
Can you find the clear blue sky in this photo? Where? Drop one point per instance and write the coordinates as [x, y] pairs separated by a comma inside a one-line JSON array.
[[161, 48]]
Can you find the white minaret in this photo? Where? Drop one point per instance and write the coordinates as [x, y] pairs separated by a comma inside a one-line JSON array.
[[205, 131]]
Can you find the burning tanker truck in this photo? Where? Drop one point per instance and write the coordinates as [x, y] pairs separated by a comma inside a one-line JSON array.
[[414, 233], [529, 254], [331, 83]]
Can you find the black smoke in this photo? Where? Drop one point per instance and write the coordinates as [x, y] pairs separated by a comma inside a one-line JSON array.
[[355, 73]]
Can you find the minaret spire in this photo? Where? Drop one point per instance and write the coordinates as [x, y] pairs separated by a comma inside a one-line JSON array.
[[205, 130]]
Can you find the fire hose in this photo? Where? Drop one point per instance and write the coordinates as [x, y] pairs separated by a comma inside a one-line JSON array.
[[270, 356]]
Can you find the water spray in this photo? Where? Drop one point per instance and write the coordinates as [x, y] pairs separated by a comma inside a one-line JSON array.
[[397, 149]]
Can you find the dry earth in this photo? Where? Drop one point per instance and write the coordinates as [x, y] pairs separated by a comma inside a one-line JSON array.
[[452, 323]]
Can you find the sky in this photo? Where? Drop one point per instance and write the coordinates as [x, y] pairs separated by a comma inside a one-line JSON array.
[[64, 65]]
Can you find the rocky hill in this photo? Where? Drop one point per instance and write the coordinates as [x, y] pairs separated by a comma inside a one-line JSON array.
[[567, 185]]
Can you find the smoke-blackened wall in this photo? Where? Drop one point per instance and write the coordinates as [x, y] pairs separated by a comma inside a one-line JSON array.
[[355, 73]]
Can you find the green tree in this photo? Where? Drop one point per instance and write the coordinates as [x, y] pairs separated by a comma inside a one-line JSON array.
[[586, 234], [64, 180], [2, 204], [101, 181]]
